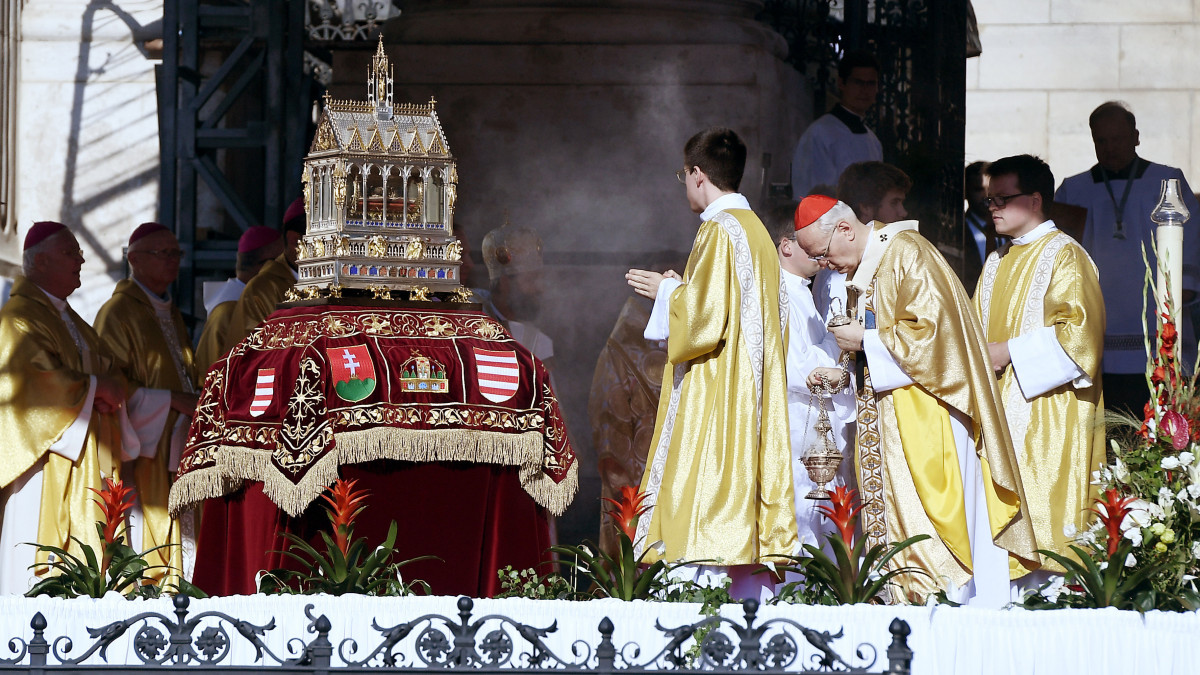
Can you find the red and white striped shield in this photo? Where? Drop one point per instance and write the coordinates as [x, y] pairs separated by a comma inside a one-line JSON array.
[[498, 374], [264, 391]]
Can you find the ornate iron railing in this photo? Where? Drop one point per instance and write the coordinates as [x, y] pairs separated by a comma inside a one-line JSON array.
[[491, 643]]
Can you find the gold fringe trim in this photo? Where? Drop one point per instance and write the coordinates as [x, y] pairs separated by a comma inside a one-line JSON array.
[[236, 464], [191, 489]]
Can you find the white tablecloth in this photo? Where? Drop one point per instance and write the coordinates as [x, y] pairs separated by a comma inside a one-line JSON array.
[[945, 640]]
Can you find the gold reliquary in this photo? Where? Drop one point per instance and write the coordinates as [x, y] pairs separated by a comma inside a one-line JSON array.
[[379, 190]]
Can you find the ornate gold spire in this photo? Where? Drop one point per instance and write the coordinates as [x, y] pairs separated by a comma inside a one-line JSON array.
[[379, 83]]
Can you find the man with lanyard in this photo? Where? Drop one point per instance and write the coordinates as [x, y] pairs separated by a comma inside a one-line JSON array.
[[1119, 193]]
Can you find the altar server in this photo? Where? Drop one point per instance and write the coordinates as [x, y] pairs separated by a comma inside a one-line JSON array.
[[810, 347], [719, 471], [1043, 314]]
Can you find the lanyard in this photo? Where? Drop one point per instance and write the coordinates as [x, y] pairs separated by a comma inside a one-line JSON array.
[[1119, 209]]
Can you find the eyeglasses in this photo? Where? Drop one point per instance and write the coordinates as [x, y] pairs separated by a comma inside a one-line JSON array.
[[168, 253], [680, 174], [829, 243], [1000, 201]]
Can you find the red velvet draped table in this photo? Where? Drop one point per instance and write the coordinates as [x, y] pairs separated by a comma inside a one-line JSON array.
[[450, 423]]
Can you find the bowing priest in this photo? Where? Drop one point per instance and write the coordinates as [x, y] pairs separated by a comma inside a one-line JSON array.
[[1043, 313], [719, 474], [267, 288], [936, 459], [256, 246], [65, 411], [143, 328]]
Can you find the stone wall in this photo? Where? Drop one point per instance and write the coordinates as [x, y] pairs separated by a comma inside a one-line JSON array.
[[1047, 63], [88, 151]]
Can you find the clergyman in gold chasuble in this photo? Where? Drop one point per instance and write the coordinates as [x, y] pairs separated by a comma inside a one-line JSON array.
[[934, 455], [719, 467]]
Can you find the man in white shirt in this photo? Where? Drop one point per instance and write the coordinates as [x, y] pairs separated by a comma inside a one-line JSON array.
[[839, 138]]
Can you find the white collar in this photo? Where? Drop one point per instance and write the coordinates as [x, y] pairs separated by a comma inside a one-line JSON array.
[[1035, 234], [795, 278], [58, 303], [229, 291], [878, 240], [725, 202], [159, 304]]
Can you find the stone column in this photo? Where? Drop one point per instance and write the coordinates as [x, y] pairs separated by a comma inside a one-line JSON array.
[[571, 116]]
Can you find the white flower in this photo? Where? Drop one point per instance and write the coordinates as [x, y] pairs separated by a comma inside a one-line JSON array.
[[1134, 534], [1120, 471], [1170, 463], [1139, 514], [1086, 538], [1196, 550], [1069, 530], [1192, 490], [1055, 588], [1130, 561], [1186, 458], [1166, 498]]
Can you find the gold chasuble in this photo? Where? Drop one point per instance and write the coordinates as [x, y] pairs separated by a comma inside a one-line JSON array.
[[259, 298], [153, 358], [719, 469], [44, 383], [1058, 434], [213, 338], [906, 456]]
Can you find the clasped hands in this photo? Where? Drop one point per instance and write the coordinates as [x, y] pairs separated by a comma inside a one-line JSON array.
[[645, 282], [110, 396]]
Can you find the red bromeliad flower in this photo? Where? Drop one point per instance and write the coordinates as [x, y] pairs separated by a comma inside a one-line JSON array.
[[627, 510], [1112, 512], [115, 499], [843, 513], [347, 503], [1176, 428]]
